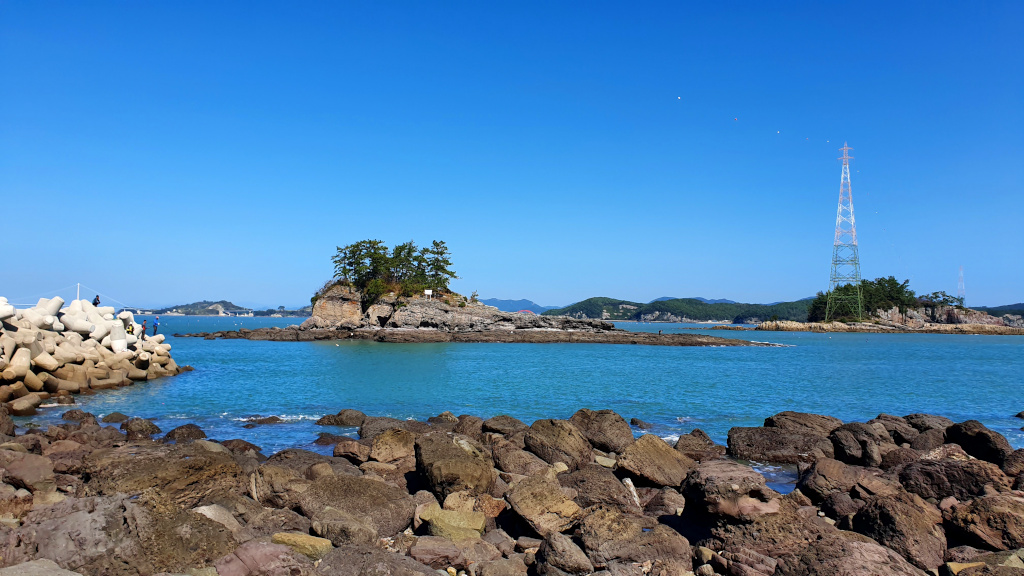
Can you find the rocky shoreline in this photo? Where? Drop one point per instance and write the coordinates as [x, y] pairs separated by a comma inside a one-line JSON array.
[[881, 328], [895, 496], [49, 352], [531, 336]]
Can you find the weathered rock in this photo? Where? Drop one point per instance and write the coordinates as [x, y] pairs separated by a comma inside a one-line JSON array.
[[897, 458], [665, 502], [900, 431], [641, 424], [309, 546], [595, 485], [727, 488], [813, 424], [338, 307], [301, 460], [655, 461], [387, 509], [777, 445], [538, 500], [606, 430], [239, 446], [41, 567], [454, 463], [929, 439], [979, 441], [368, 560], [697, 445], [139, 428], [352, 450], [861, 444], [346, 417], [560, 551], [29, 471], [510, 458], [220, 515], [926, 422], [993, 522], [453, 524], [907, 524], [1014, 464], [185, 433], [471, 426], [839, 505], [6, 422], [271, 520], [503, 424], [342, 527], [392, 445], [609, 535], [436, 552], [961, 479], [114, 418], [559, 441], [256, 558], [373, 426]]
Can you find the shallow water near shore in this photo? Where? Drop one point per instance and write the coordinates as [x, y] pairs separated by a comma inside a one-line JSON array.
[[851, 376]]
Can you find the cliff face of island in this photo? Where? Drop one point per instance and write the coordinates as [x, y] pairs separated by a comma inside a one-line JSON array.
[[930, 320], [342, 307]]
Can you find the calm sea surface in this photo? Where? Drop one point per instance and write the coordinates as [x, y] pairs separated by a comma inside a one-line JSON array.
[[851, 376]]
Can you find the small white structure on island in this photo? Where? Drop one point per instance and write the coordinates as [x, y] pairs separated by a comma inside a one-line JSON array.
[[428, 293]]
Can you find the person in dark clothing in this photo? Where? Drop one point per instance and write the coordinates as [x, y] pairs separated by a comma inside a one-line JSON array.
[[156, 325], [96, 300], [142, 333]]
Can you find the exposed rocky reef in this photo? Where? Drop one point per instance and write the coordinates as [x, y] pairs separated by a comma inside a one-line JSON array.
[[903, 496], [51, 352]]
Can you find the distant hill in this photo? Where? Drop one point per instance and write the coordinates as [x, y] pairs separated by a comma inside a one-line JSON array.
[[225, 308], [516, 305], [1016, 309], [704, 300], [678, 309]]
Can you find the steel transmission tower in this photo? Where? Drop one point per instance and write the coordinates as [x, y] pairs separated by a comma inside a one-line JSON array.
[[845, 258]]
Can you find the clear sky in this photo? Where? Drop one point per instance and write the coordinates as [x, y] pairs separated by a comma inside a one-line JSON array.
[[167, 152]]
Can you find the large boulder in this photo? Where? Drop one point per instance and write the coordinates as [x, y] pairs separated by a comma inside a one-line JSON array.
[[375, 425], [777, 445], [184, 433], [827, 476], [814, 424], [343, 527], [979, 441], [300, 461], [1013, 466], [42, 567], [393, 444], [606, 430], [559, 551], [595, 484], [730, 489], [697, 445], [452, 524], [559, 441], [653, 460], [453, 463], [6, 423], [346, 417], [29, 471], [835, 556], [900, 431], [907, 524], [962, 480], [861, 444], [338, 307], [993, 522], [388, 509], [539, 501], [926, 422], [503, 424], [370, 560], [510, 458], [258, 558], [610, 536]]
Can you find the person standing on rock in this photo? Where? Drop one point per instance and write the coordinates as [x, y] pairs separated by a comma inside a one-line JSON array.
[[156, 325], [142, 333]]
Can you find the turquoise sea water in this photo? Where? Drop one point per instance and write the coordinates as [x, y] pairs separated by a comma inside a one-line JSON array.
[[851, 376]]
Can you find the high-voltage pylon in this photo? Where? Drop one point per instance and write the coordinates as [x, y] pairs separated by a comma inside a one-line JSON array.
[[843, 300], [961, 292]]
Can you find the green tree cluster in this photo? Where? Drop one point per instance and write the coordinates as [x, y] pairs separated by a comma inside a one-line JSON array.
[[683, 307], [406, 269], [881, 294]]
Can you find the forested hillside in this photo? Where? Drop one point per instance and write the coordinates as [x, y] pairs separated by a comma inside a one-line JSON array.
[[682, 309]]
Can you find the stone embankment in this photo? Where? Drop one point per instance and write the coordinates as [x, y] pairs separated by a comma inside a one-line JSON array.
[[338, 315], [896, 496], [883, 328], [49, 353]]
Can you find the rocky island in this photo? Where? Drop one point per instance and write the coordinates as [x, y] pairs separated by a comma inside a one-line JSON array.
[[462, 495], [340, 312]]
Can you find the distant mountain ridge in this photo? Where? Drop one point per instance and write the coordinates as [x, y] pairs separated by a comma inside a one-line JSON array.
[[516, 305], [704, 300], [682, 310]]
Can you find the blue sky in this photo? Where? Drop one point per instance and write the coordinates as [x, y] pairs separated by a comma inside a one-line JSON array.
[[169, 152]]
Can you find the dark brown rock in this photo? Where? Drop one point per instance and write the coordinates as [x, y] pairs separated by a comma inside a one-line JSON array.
[[929, 439], [184, 433], [827, 476], [860, 444], [373, 426], [503, 424], [300, 460], [839, 504], [453, 463], [900, 431], [559, 441], [256, 558], [388, 509], [595, 485], [346, 417], [606, 430], [961, 479], [979, 441], [559, 551], [239, 446], [697, 445], [907, 524], [6, 422], [813, 424], [1014, 463], [897, 458], [654, 461], [777, 445], [992, 522], [510, 458], [538, 501], [139, 428], [640, 424], [925, 422], [114, 418], [272, 520], [370, 561], [665, 502], [471, 426], [72, 415]]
